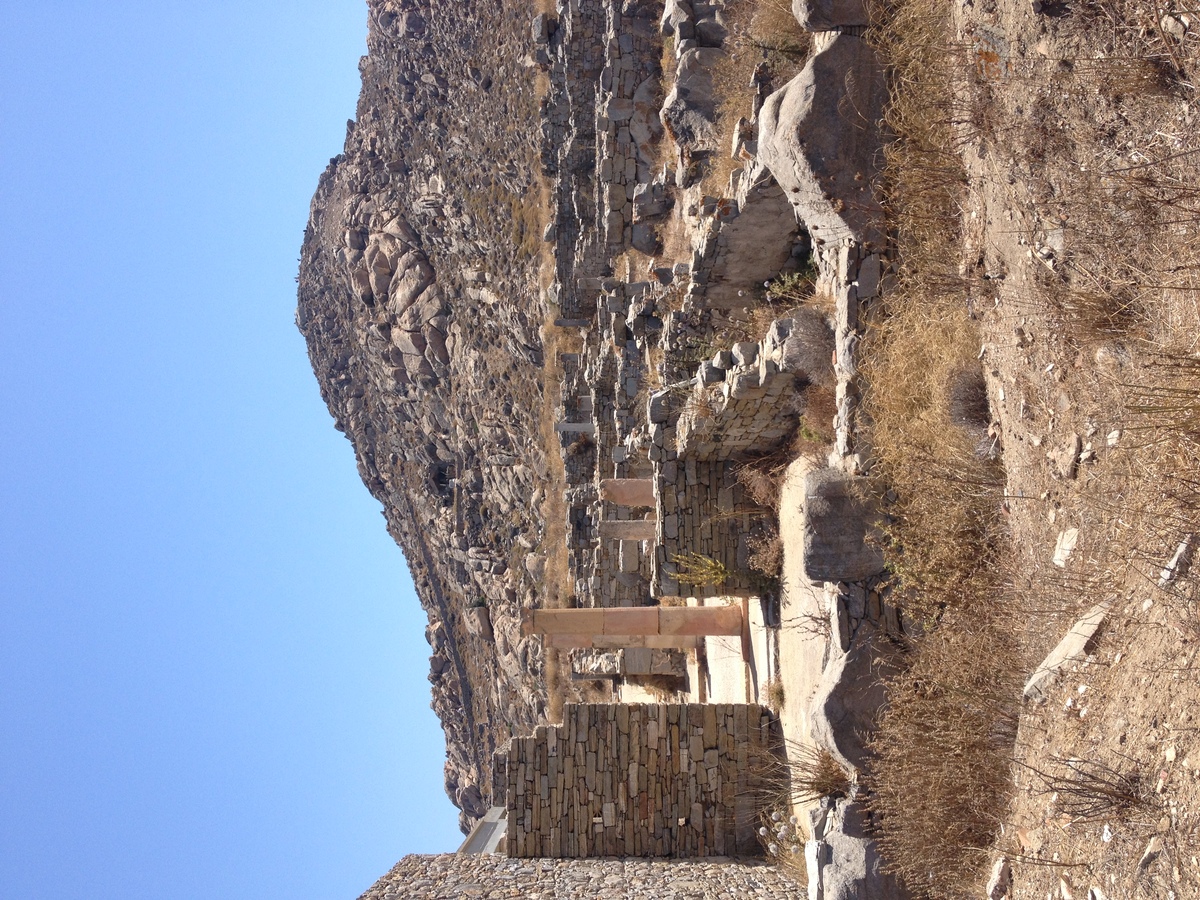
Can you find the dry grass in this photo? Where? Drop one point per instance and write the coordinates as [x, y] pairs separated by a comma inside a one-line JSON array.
[[801, 774], [942, 755], [558, 584], [943, 537]]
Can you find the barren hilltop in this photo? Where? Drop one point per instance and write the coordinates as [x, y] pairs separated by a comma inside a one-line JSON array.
[[881, 319]]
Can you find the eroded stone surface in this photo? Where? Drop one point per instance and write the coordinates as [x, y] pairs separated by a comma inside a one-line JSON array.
[[820, 136]]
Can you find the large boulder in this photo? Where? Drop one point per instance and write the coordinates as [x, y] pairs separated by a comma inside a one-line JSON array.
[[821, 137], [851, 694], [844, 861], [691, 108], [827, 15]]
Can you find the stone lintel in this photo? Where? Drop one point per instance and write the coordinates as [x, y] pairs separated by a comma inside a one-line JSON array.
[[628, 491]]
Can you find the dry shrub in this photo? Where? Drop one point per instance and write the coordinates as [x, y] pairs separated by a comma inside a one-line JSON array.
[[664, 688], [775, 695], [940, 771], [766, 552], [817, 405], [556, 684], [1092, 790], [800, 773], [763, 480]]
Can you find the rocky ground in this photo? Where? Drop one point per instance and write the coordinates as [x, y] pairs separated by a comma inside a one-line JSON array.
[[1082, 223]]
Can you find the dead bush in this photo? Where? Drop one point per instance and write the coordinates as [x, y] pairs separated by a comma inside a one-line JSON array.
[[766, 552], [1091, 790], [817, 406], [939, 775], [800, 773], [763, 480]]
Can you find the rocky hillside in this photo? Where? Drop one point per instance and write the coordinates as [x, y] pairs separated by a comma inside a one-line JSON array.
[[418, 300]]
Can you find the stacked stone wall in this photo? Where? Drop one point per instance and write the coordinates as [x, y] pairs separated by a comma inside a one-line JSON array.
[[703, 510], [492, 877], [639, 780]]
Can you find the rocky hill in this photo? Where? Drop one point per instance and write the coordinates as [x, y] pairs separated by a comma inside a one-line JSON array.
[[419, 303]]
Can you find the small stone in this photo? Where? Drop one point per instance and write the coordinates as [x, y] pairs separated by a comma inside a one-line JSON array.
[[1065, 546], [1065, 461], [1000, 882], [1150, 854]]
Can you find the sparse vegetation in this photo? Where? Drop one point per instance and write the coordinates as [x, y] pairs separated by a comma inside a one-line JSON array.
[[1113, 196], [801, 773], [699, 570], [760, 31]]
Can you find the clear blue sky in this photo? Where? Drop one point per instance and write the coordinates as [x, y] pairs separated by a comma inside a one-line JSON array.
[[212, 662]]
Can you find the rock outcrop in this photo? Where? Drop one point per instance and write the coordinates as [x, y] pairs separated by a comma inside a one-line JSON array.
[[819, 135], [418, 300]]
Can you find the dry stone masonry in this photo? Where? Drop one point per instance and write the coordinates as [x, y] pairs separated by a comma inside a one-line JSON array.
[[676, 780], [499, 878]]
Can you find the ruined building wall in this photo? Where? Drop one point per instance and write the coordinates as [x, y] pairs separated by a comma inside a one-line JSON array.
[[639, 780]]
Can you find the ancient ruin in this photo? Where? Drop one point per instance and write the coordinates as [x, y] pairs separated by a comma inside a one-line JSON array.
[[423, 319]]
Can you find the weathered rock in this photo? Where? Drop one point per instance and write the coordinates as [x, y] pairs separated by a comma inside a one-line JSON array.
[[851, 695], [689, 111], [1000, 882], [845, 863], [398, 345], [820, 135], [826, 15]]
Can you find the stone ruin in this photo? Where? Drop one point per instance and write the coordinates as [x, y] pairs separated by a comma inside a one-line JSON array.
[[652, 402], [657, 414]]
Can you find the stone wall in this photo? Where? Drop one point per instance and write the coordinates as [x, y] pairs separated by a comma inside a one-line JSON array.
[[492, 877], [638, 780], [703, 510]]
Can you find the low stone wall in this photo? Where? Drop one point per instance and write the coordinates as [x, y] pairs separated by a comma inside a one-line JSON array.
[[638, 780], [492, 877]]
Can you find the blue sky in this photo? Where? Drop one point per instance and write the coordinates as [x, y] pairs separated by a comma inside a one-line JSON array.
[[212, 662]]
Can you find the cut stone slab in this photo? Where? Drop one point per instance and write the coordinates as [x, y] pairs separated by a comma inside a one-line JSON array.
[[1070, 649], [837, 528]]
